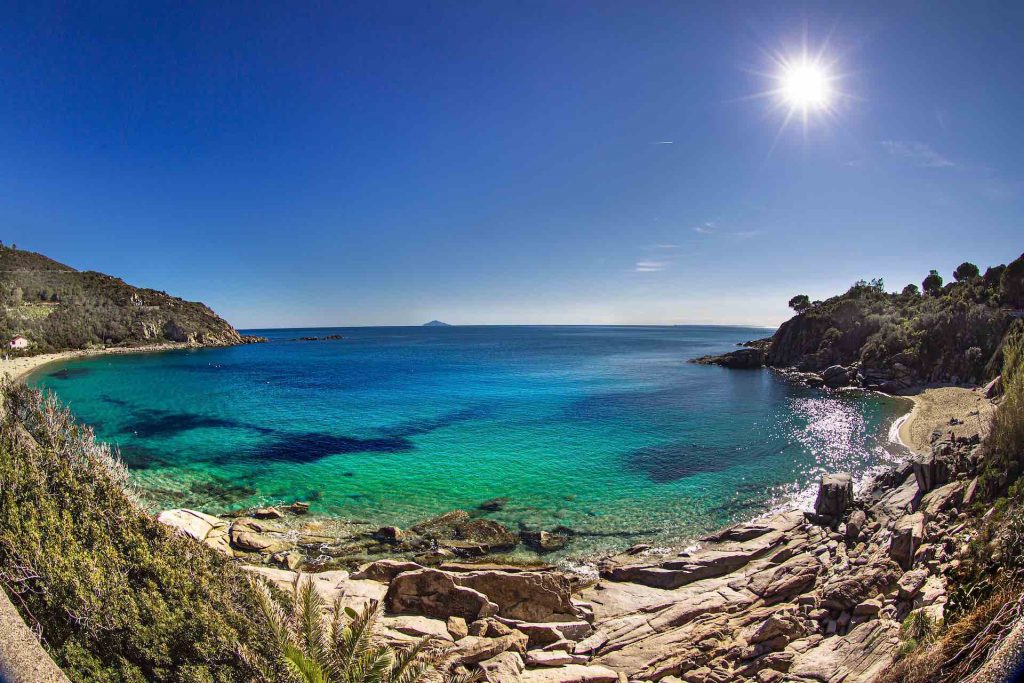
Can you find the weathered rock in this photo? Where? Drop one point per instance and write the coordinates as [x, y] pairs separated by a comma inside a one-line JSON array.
[[504, 668], [779, 626], [251, 536], [572, 673], [442, 526], [742, 359], [906, 538], [435, 594], [844, 591], [385, 570], [855, 524], [208, 529], [298, 508], [911, 582], [835, 493], [994, 388], [488, 533], [289, 560], [494, 504], [267, 513], [527, 596], [389, 534], [457, 627], [473, 649], [941, 499], [552, 658], [932, 470], [418, 626], [859, 657], [543, 541], [788, 579]]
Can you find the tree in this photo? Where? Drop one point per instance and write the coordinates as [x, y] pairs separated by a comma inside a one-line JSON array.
[[800, 303], [933, 283], [911, 290], [965, 271], [312, 647], [1011, 284]]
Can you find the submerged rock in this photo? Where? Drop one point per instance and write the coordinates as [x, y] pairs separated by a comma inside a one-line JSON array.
[[742, 359]]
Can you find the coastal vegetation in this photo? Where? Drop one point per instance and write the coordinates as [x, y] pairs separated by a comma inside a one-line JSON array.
[[952, 332], [317, 646], [987, 581], [58, 308]]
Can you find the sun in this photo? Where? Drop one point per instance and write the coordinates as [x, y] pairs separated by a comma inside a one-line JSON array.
[[805, 86]]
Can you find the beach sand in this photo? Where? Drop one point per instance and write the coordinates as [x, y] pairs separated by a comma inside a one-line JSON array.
[[934, 407], [18, 367]]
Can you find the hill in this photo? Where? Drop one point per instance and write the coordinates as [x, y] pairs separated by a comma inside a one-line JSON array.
[[873, 338], [436, 323], [59, 308]]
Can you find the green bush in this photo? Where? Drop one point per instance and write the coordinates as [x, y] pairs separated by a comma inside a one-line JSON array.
[[115, 595]]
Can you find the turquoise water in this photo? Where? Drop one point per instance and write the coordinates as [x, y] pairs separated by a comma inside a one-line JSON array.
[[606, 430]]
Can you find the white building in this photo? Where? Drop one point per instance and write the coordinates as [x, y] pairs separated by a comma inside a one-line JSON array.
[[19, 342]]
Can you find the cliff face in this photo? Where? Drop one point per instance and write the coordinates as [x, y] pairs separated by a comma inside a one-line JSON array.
[[59, 308]]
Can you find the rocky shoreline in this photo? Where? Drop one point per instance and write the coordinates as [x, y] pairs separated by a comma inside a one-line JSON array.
[[796, 596]]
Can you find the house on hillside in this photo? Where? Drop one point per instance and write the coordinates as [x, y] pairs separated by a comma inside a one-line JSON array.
[[19, 342]]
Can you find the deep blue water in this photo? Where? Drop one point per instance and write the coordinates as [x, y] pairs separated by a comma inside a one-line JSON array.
[[607, 430]]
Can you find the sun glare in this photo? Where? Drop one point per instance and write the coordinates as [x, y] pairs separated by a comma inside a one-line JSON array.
[[805, 86]]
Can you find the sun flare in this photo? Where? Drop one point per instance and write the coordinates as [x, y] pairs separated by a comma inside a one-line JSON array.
[[805, 86]]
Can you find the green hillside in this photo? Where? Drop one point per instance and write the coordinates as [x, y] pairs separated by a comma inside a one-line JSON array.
[[58, 308]]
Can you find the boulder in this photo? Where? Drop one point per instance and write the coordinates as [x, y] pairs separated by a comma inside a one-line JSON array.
[[855, 524], [457, 627], [835, 493], [941, 499], [252, 536], [910, 583], [208, 529], [488, 533], [933, 470], [267, 513], [845, 590], [553, 658], [385, 570], [289, 560], [473, 649], [790, 578], [907, 536], [527, 596], [778, 626], [493, 505], [994, 388], [504, 668], [544, 541], [434, 593], [442, 526]]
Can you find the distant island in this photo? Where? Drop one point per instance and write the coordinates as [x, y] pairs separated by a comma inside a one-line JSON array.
[[436, 323]]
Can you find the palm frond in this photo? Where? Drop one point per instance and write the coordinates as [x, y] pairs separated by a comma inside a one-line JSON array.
[[412, 663], [309, 619]]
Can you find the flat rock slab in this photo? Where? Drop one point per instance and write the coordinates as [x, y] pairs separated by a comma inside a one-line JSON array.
[[573, 673]]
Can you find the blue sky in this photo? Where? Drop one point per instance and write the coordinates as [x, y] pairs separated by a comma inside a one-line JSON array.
[[388, 163]]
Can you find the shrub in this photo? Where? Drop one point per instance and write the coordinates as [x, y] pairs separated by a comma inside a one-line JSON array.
[[800, 303], [114, 595]]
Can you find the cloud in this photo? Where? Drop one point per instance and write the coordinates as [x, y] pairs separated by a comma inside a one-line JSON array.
[[650, 266], [918, 153], [663, 142], [706, 229], [665, 246], [746, 233]]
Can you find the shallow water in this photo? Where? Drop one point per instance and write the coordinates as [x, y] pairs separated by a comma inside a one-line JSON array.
[[606, 430]]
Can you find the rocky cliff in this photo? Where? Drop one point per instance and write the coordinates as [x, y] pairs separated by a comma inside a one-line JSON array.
[[59, 308]]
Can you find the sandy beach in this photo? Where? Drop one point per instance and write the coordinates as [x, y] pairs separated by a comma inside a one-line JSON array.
[[935, 409], [18, 367]]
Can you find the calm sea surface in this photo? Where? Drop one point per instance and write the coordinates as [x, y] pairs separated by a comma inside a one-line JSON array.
[[606, 430]]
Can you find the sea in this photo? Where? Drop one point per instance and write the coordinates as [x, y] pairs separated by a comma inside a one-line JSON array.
[[606, 433]]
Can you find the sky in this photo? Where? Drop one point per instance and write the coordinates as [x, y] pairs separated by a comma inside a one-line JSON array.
[[389, 163]]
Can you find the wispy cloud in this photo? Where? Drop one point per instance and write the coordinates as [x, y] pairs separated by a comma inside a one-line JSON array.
[[746, 233], [705, 229], [650, 266], [663, 142], [918, 153], [665, 246]]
